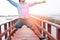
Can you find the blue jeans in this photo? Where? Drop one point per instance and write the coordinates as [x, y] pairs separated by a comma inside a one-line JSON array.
[[22, 22]]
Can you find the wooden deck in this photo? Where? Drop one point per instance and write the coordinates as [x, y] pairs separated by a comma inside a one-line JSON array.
[[24, 34]]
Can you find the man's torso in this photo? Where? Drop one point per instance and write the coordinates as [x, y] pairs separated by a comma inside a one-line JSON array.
[[23, 10]]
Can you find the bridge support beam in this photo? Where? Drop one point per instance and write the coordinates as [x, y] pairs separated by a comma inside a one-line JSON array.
[[58, 34], [9, 30], [49, 30], [5, 28], [44, 28], [41, 25], [0, 32]]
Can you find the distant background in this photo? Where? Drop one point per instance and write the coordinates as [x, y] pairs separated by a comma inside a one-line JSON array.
[[51, 7]]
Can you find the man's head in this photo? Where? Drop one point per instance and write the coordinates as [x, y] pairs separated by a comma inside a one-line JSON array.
[[21, 0]]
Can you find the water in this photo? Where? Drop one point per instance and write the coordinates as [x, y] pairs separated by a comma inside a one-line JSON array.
[[5, 19], [55, 16]]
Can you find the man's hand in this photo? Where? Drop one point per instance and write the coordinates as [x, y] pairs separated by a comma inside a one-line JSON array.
[[43, 1], [40, 2]]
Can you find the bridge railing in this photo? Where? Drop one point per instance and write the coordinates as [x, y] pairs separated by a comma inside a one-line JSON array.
[[42, 26], [7, 27]]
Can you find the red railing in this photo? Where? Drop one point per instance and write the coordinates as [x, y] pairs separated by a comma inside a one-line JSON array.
[[42, 27], [8, 27], [41, 24]]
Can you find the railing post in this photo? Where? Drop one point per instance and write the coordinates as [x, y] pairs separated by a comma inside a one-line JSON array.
[[5, 28], [58, 34], [49, 29], [44, 28], [12, 24], [14, 21], [41, 25], [9, 30], [0, 32]]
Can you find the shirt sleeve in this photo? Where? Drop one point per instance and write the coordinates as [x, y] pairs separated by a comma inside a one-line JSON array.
[[13, 3], [32, 4]]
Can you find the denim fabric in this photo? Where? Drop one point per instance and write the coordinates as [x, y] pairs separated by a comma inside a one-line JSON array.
[[13, 3], [22, 22]]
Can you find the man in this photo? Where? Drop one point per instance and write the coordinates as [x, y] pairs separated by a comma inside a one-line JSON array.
[[23, 11]]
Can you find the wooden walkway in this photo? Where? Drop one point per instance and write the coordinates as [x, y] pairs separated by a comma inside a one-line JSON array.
[[24, 34]]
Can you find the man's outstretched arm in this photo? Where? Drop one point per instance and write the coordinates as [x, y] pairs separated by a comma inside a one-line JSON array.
[[32, 4], [13, 3]]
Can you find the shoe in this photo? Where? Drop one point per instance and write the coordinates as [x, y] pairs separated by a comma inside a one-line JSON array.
[[42, 37]]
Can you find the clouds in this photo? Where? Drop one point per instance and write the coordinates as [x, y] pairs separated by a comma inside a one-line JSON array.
[[49, 8]]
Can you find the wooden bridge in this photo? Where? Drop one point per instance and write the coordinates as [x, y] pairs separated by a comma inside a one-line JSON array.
[[25, 33]]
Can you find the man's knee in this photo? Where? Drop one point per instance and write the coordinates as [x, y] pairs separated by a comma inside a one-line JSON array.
[[32, 28], [19, 24], [29, 25]]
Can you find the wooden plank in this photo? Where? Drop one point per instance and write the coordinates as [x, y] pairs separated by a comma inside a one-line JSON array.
[[49, 30], [0, 32], [44, 26], [5, 28], [24, 33], [9, 30], [58, 34]]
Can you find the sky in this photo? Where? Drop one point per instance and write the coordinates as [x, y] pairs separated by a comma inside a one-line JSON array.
[[51, 7]]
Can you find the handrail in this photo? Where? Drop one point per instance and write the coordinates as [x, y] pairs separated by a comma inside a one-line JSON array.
[[11, 26], [41, 27], [50, 37], [7, 22], [6, 31], [53, 24]]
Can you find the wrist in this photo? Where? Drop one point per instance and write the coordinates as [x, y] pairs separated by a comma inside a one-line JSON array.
[[43, 1]]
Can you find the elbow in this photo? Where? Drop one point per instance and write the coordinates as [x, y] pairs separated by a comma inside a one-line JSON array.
[[8, 0]]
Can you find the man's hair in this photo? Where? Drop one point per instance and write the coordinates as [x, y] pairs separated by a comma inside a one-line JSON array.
[[19, 0]]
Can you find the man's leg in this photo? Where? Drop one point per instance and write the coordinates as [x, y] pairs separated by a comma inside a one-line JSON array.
[[18, 25], [33, 28]]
